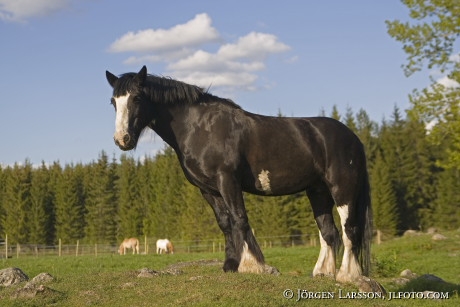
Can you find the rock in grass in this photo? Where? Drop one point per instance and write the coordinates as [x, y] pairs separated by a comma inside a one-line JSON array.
[[41, 279], [34, 290], [12, 276], [408, 274], [147, 273], [366, 284], [438, 237]]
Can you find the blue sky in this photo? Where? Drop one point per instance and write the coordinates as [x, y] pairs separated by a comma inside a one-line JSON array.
[[299, 57]]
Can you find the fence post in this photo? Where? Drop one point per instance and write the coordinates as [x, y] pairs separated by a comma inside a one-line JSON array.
[[145, 244], [17, 250], [60, 247], [76, 251], [95, 249], [379, 237], [6, 246]]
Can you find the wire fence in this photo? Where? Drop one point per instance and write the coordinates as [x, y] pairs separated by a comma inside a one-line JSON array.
[[147, 246]]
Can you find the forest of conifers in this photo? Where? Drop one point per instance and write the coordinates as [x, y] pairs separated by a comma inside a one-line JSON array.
[[109, 199]]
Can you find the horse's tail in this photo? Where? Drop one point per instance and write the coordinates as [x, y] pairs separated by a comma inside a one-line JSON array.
[[365, 221]]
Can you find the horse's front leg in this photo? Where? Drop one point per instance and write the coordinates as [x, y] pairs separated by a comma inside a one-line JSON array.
[[243, 253], [224, 221]]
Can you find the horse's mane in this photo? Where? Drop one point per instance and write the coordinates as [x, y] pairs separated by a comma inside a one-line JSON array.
[[169, 91]]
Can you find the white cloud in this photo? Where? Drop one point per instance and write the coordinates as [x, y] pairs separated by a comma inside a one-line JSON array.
[[180, 48], [447, 82], [193, 33], [254, 45], [21, 10], [205, 61], [226, 79]]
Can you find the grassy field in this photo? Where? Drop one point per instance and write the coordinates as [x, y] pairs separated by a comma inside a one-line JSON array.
[[112, 280]]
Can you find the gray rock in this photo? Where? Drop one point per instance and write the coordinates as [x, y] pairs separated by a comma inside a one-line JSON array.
[[12, 276], [41, 278], [408, 274], [438, 237]]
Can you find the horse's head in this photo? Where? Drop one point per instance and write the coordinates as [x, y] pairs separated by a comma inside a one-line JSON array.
[[133, 110]]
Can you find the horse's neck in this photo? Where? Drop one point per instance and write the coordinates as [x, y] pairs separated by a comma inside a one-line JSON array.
[[165, 124]]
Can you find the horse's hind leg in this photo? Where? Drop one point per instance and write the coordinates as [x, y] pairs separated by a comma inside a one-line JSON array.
[[322, 204], [350, 269]]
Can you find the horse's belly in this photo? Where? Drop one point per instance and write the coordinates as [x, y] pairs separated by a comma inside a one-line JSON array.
[[278, 182]]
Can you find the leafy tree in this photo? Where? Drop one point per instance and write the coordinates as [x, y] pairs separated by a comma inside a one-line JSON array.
[[429, 42]]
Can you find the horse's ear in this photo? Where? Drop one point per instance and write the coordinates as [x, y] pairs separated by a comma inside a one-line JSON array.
[[111, 78], [141, 75]]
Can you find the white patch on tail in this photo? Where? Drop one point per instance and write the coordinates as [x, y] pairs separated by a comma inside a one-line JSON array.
[[350, 270], [249, 263], [121, 119], [265, 181]]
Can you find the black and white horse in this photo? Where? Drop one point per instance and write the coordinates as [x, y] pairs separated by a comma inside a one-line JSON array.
[[224, 150]]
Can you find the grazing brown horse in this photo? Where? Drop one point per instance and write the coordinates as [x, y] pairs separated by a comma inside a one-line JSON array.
[[225, 151], [129, 243]]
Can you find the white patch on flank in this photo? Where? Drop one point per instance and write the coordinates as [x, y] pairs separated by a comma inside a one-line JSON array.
[[265, 181], [249, 263], [121, 119], [350, 270]]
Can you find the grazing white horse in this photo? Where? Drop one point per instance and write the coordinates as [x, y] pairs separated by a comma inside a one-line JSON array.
[[164, 245], [129, 243]]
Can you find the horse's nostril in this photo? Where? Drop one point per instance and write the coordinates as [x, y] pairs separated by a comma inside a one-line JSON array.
[[126, 138]]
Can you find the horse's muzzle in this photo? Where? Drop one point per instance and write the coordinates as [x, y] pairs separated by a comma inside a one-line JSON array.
[[126, 142]]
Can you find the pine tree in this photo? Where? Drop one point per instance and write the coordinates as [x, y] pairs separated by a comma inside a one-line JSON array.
[[130, 204], [100, 207], [367, 131], [2, 193], [383, 198], [41, 207], [69, 204], [444, 211], [166, 206], [16, 203], [349, 120]]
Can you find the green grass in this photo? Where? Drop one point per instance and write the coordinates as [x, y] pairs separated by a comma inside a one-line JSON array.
[[111, 280]]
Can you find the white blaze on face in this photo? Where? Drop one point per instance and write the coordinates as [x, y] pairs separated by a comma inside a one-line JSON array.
[[265, 181], [121, 119]]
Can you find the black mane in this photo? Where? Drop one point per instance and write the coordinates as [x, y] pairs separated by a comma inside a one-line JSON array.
[[169, 91]]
